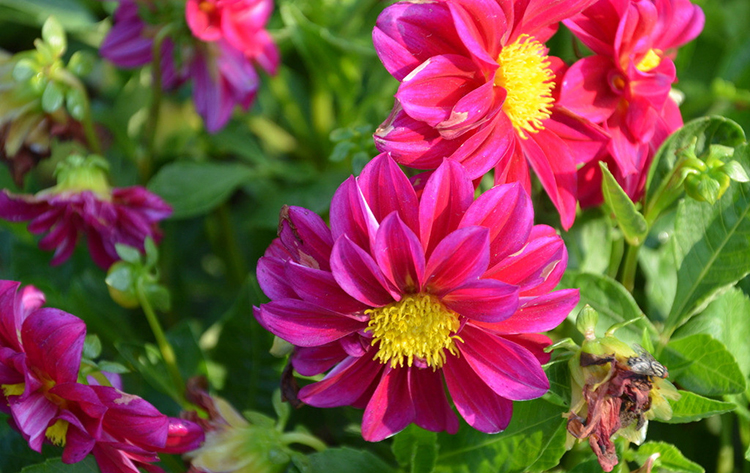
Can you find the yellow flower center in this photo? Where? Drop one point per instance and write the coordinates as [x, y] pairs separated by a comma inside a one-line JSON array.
[[419, 327], [57, 432], [13, 389], [649, 61], [526, 76]]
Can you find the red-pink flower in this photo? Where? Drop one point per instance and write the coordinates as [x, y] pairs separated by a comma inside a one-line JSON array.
[[83, 203], [404, 293], [40, 357], [477, 87], [625, 86]]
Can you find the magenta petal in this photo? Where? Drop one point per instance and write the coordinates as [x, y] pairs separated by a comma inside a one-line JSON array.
[[472, 109], [358, 274], [182, 436], [483, 300], [459, 259], [272, 279], [431, 90], [586, 88], [479, 405], [78, 444], [306, 237], [539, 14], [399, 254], [679, 22], [351, 215], [53, 341], [445, 198], [391, 408], [33, 415], [507, 368], [344, 384], [555, 166], [534, 342], [431, 408], [386, 189], [406, 34], [304, 324], [319, 287], [540, 314], [507, 211], [481, 26], [133, 419], [315, 360], [487, 144]]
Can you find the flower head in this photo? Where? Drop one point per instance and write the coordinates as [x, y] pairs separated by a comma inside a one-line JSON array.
[[477, 86], [218, 46], [405, 293], [625, 86], [82, 202]]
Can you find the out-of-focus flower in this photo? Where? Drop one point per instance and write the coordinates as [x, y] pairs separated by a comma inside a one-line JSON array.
[[615, 392], [217, 48], [477, 87], [40, 358], [626, 85], [234, 444], [41, 98], [82, 202], [405, 293]]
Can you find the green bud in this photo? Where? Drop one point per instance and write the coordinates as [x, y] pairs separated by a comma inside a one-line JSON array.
[[75, 101], [54, 35], [703, 188], [81, 63], [25, 69], [52, 98], [586, 322], [121, 280], [719, 153], [77, 173], [735, 171]]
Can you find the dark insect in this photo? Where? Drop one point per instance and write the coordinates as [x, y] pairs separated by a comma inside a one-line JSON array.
[[645, 364]]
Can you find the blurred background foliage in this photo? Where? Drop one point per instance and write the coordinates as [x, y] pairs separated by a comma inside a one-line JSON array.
[[309, 129]]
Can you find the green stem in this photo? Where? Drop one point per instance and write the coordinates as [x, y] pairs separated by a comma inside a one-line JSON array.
[[725, 462], [154, 110], [303, 439], [167, 352], [629, 267], [87, 121]]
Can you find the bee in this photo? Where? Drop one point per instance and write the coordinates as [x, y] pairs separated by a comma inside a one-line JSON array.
[[645, 364]]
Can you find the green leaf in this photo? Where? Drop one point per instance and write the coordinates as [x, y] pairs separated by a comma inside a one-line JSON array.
[[588, 466], [532, 430], [725, 319], [112, 367], [415, 449], [75, 102], [692, 407], [197, 188], [707, 130], [54, 35], [671, 459], [128, 253], [72, 14], [92, 347], [631, 221], [558, 374], [702, 364], [711, 247], [53, 97], [81, 63], [191, 360], [347, 460], [148, 362], [551, 455], [55, 465], [613, 302]]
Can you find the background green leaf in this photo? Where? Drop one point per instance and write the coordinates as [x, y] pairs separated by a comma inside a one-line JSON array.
[[415, 449], [692, 407], [347, 460], [55, 465], [671, 459], [631, 221]]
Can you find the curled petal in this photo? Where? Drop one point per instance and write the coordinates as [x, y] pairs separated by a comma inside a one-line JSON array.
[[457, 260]]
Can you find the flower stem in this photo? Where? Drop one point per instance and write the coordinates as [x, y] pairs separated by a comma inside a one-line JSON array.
[[629, 267], [167, 352], [155, 107], [303, 439], [87, 121]]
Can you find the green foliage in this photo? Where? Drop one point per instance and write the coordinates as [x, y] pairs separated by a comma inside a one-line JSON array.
[[55, 465], [631, 221], [670, 458], [346, 460], [415, 449], [692, 407]]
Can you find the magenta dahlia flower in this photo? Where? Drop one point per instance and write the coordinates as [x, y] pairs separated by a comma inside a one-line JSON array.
[[625, 86], [222, 40], [477, 87], [40, 358], [404, 293], [83, 203]]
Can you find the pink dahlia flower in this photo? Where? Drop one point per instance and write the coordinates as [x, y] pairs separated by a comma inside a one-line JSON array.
[[225, 38], [404, 293], [83, 203], [40, 357], [477, 87], [625, 86]]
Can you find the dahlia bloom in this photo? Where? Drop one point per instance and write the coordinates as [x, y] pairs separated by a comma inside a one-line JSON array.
[[223, 40], [83, 203], [477, 87], [404, 293], [40, 358], [625, 86]]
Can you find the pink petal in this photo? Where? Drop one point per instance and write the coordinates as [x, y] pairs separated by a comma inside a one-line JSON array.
[[479, 405], [358, 274], [431, 408], [315, 360], [446, 196], [399, 254], [482, 26], [53, 341], [679, 22], [484, 300], [507, 368], [474, 108], [272, 279], [391, 408], [459, 259], [540, 14], [305, 236], [586, 88], [386, 189], [344, 384], [304, 324], [320, 288], [351, 215], [534, 342], [596, 26], [539, 314], [33, 414], [481, 148]]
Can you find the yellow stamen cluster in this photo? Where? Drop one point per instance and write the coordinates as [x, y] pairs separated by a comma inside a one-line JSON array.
[[649, 61], [57, 432], [13, 389], [418, 326], [526, 76]]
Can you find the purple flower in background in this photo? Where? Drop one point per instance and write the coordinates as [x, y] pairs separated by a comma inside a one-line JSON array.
[[405, 293], [83, 203], [217, 50]]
